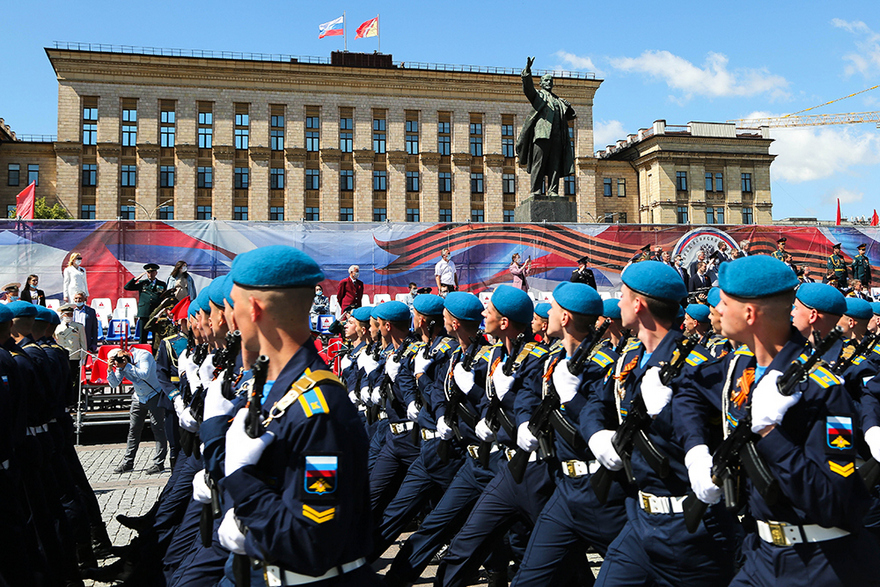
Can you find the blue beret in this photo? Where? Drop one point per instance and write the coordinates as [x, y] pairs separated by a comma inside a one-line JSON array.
[[227, 290], [822, 297], [275, 267], [655, 279], [428, 305], [393, 312], [699, 312], [44, 314], [193, 308], [215, 291], [543, 309], [611, 308], [858, 309], [56, 319], [22, 309], [463, 305], [757, 276], [6, 314], [362, 314], [579, 298], [374, 311], [513, 303], [713, 298], [875, 306], [202, 301]]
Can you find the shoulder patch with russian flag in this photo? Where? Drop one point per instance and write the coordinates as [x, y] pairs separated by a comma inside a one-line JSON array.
[[320, 477], [839, 434], [313, 402]]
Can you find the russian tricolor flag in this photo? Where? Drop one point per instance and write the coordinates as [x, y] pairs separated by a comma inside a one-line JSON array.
[[332, 28]]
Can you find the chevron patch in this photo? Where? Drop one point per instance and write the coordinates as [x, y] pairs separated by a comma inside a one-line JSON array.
[[842, 470], [313, 402], [318, 517]]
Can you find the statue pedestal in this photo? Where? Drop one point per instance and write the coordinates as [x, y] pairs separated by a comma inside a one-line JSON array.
[[546, 209]]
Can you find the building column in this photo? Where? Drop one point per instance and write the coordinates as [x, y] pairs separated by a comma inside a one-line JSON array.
[[493, 198], [107, 198], [221, 194], [258, 193], [429, 200], [363, 185], [147, 190], [585, 168], [68, 166], [185, 182], [330, 159], [461, 187], [396, 194], [294, 184]]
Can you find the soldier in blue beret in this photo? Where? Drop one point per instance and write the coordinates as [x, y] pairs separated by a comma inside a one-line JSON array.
[[539, 323], [616, 336], [812, 534], [306, 518], [718, 345], [654, 545], [357, 336], [696, 322], [817, 308]]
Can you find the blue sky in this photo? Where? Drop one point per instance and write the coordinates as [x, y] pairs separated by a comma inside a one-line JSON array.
[[682, 61]]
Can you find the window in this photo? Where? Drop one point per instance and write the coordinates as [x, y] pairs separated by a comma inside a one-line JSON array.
[[380, 214], [240, 213], [571, 135], [681, 181], [166, 128], [205, 177], [276, 178], [412, 181], [412, 137], [621, 217], [166, 213], [507, 149], [166, 176], [444, 138], [570, 185], [476, 139], [608, 217], [90, 126], [313, 134], [346, 214], [508, 183], [747, 216], [346, 141], [346, 180], [277, 121], [412, 214], [242, 178], [710, 215], [126, 212], [508, 216], [242, 131], [90, 114], [621, 188], [719, 184], [276, 132], [87, 211], [129, 127], [476, 215], [13, 173], [747, 183], [445, 215], [313, 179], [380, 181], [476, 183], [276, 213], [378, 135], [33, 174], [681, 215], [203, 213], [206, 130], [128, 177], [719, 215], [445, 179], [89, 175], [606, 187]]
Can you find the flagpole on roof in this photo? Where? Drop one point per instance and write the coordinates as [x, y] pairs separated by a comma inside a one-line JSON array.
[[378, 35], [344, 34]]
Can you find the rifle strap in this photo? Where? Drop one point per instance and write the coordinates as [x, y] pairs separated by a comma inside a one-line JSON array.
[[547, 379], [306, 382], [725, 395]]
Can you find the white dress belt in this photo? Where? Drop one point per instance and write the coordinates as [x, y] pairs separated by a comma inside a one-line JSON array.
[[658, 504], [276, 577], [782, 534]]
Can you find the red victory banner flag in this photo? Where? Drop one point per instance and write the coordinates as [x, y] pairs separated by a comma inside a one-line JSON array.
[[875, 220], [25, 202], [838, 212]]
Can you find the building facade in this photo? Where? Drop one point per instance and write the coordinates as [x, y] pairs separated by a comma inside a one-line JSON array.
[[25, 159]]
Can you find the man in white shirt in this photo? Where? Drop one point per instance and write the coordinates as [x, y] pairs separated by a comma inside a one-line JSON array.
[[444, 272]]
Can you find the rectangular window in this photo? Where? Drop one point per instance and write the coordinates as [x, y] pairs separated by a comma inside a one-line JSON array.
[[606, 187], [508, 183], [241, 138], [719, 184], [90, 125], [508, 216], [378, 135], [167, 128], [621, 217], [90, 113], [444, 137], [380, 214], [476, 183], [476, 139], [203, 213], [128, 176], [166, 176], [570, 185], [380, 181], [276, 121], [608, 217], [206, 129], [346, 127], [747, 183], [412, 214], [242, 178], [313, 134], [445, 179], [681, 215], [445, 215], [89, 175], [621, 188], [412, 137], [276, 178], [129, 127], [346, 180], [166, 213], [346, 214], [313, 179], [126, 212], [13, 174], [205, 177], [240, 213], [477, 215], [719, 215], [87, 211], [242, 127], [276, 213], [681, 181], [710, 215], [33, 174], [412, 181], [747, 216], [276, 130], [507, 148], [709, 182]]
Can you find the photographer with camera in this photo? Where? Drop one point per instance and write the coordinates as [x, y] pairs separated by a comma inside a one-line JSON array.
[[139, 367]]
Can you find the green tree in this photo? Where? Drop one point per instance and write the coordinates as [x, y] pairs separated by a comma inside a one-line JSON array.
[[43, 211]]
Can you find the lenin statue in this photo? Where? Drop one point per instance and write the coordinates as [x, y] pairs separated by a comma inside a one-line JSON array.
[[543, 143]]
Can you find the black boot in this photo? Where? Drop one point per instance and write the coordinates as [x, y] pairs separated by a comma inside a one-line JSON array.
[[497, 579], [101, 544]]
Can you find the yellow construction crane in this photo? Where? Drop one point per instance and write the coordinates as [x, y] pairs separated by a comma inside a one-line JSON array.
[[793, 120]]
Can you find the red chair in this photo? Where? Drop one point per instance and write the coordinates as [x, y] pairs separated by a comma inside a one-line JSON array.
[[98, 376]]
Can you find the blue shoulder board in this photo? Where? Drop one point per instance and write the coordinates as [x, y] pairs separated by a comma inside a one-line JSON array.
[[633, 344], [695, 358], [538, 351], [602, 359], [313, 402], [744, 350], [824, 377]]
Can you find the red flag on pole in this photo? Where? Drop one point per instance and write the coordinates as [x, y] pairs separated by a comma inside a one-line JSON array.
[[875, 220], [368, 29], [25, 202], [838, 212]]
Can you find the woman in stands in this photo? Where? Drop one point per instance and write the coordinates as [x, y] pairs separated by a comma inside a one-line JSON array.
[[74, 278], [30, 293], [182, 282]]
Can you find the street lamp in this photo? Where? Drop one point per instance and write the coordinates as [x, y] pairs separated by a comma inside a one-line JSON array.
[[147, 212]]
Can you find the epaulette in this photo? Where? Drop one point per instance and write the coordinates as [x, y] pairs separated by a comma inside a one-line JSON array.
[[414, 348], [601, 359], [538, 350], [825, 378], [445, 344], [486, 351], [556, 346], [695, 359], [743, 350], [632, 345]]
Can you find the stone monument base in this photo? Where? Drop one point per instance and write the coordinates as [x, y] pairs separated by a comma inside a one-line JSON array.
[[546, 209]]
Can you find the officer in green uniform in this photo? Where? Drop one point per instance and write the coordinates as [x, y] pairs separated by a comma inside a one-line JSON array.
[[837, 266], [150, 294], [861, 266], [779, 253]]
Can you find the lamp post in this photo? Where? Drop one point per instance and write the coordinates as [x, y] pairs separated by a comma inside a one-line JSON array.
[[147, 212]]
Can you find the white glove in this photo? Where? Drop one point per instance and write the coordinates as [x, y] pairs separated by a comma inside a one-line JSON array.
[[365, 395], [241, 449], [345, 363], [352, 397], [178, 405], [201, 491], [502, 382], [412, 412], [183, 362], [192, 374], [392, 368], [463, 379], [367, 363], [655, 394], [699, 465], [421, 364], [565, 383], [376, 397], [601, 447], [872, 437], [483, 431], [187, 421], [525, 439], [768, 405], [206, 371], [443, 429], [230, 535], [215, 403]]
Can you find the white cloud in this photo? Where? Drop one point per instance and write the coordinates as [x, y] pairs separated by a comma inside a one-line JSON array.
[[844, 195], [713, 79], [866, 60], [572, 61], [607, 132]]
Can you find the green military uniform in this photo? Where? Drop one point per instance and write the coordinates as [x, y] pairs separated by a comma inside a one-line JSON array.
[[779, 254], [837, 266], [861, 268], [150, 293]]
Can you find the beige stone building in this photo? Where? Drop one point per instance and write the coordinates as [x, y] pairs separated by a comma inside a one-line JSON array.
[[24, 159]]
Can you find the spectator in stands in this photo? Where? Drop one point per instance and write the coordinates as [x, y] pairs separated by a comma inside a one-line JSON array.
[[350, 291], [700, 280], [744, 247], [857, 290], [657, 254], [444, 272], [10, 292], [520, 271], [72, 337], [88, 317], [182, 282], [321, 303], [676, 264], [411, 295], [139, 367], [31, 293], [701, 258], [444, 289], [150, 293], [666, 257], [74, 278]]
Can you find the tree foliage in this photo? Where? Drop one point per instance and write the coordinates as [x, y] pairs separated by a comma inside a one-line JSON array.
[[43, 211]]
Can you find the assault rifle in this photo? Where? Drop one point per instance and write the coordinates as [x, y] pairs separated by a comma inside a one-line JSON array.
[[863, 347], [632, 431], [385, 390], [226, 362], [739, 448], [496, 418], [456, 404], [621, 342]]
